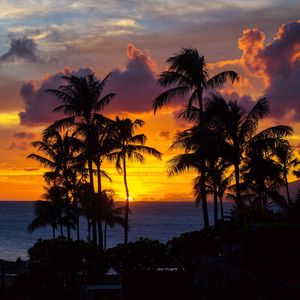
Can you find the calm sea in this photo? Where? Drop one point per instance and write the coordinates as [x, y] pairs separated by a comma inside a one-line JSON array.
[[154, 220]]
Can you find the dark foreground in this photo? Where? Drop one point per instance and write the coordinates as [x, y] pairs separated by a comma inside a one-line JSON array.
[[259, 262]]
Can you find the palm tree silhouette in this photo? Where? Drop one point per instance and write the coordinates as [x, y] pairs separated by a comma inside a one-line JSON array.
[[81, 97], [188, 78], [240, 128], [82, 100], [108, 213], [262, 175], [61, 157], [128, 146], [287, 161], [49, 211]]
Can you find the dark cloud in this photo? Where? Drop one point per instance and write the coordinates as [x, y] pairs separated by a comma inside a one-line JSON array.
[[31, 169], [24, 135], [20, 146], [135, 86], [38, 105], [245, 101], [278, 63], [165, 134], [21, 48]]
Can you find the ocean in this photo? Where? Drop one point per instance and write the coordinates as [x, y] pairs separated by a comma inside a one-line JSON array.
[[154, 220]]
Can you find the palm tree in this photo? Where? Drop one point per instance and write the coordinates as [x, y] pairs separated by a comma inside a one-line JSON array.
[[262, 175], [240, 130], [61, 157], [187, 77], [129, 146], [49, 211], [110, 214], [82, 99], [287, 161]]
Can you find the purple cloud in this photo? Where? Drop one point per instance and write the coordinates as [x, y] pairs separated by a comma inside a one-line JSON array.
[[38, 105]]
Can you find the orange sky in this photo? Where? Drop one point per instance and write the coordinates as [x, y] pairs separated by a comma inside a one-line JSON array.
[[135, 42]]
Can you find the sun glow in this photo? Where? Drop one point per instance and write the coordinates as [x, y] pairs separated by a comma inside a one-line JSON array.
[[10, 118], [130, 199]]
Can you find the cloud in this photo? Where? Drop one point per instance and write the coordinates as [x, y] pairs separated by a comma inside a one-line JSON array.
[[31, 169], [22, 146], [135, 86], [252, 43], [245, 101], [38, 104], [165, 134], [278, 63], [21, 48], [24, 135]]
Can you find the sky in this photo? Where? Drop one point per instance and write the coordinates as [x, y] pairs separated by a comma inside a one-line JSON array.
[[42, 40]]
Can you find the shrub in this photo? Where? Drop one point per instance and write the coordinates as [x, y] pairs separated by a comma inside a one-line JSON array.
[[144, 254], [56, 268], [273, 245], [191, 244]]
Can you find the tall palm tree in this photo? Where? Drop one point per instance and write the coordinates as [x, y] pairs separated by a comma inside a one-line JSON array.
[[82, 99], [188, 78], [61, 158], [200, 142], [129, 146], [240, 130], [287, 161]]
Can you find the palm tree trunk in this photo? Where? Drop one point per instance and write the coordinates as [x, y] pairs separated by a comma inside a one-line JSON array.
[[105, 235], [67, 206], [237, 183], [99, 179], [89, 228], [215, 203], [202, 163], [127, 202], [221, 207], [94, 231], [53, 231], [100, 236], [287, 190], [204, 200], [61, 230], [100, 229]]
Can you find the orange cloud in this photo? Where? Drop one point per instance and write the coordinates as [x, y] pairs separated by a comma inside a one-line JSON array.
[[134, 53], [252, 43]]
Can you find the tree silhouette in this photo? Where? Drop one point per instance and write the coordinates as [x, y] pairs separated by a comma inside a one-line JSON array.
[[287, 161], [49, 211], [240, 130], [188, 78], [129, 146], [61, 157], [82, 99]]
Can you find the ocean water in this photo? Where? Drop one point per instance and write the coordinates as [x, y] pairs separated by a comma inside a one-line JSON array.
[[155, 220]]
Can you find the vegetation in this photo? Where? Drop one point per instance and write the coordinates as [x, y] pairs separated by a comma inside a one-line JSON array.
[[222, 145], [74, 149]]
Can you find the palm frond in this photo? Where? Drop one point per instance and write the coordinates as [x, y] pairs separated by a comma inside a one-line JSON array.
[[220, 79], [170, 95]]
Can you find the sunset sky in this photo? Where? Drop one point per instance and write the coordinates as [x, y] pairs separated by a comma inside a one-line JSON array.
[[42, 40]]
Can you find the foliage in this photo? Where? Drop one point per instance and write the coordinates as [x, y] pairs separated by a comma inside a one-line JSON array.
[[195, 243], [273, 245], [252, 212], [144, 254], [64, 256]]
